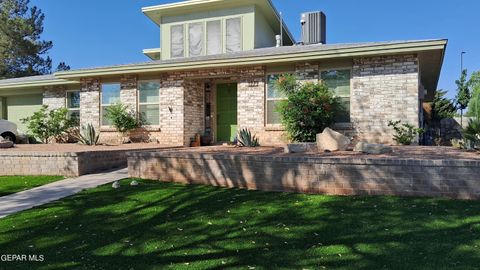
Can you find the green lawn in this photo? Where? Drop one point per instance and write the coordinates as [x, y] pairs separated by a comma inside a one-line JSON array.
[[169, 226], [14, 184]]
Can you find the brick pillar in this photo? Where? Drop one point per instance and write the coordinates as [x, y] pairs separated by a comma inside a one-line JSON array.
[[251, 99], [128, 92], [54, 97], [90, 102], [172, 111]]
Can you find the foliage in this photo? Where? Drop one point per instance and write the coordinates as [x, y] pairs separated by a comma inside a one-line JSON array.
[[463, 93], [308, 109], [14, 184], [170, 226], [404, 133], [62, 67], [46, 124], [472, 132], [122, 118], [245, 139], [474, 105], [458, 143], [442, 107], [22, 52], [87, 135]]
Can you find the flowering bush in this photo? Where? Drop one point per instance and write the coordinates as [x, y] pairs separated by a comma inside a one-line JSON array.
[[309, 109]]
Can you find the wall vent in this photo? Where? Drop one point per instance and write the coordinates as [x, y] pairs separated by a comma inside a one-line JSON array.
[[314, 28]]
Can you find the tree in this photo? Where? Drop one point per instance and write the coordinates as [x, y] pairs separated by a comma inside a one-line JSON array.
[[463, 94], [442, 107], [46, 124], [474, 105], [22, 52], [62, 67]]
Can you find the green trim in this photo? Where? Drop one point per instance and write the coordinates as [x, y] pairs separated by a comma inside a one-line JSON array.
[[36, 83], [260, 60]]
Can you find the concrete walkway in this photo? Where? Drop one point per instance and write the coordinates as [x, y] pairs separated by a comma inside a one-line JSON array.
[[54, 191]]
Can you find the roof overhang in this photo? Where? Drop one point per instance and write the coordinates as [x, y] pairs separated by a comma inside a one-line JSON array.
[[433, 50], [36, 84], [154, 54], [155, 13]]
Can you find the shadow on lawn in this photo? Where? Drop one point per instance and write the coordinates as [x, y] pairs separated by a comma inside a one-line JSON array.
[[158, 225]]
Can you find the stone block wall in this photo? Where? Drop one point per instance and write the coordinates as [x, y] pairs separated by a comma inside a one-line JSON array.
[[194, 107], [383, 89], [54, 97], [90, 102], [321, 175]]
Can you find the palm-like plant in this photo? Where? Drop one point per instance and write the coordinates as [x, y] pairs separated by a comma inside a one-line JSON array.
[[245, 139], [87, 135], [472, 132]]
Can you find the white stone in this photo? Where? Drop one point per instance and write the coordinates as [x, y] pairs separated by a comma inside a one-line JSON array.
[[116, 185], [6, 144], [300, 148], [370, 148], [330, 140], [134, 183]]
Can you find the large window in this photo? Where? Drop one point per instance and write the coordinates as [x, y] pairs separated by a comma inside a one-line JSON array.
[[274, 96], [233, 35], [338, 81], [177, 41], [195, 39], [73, 106], [214, 37], [110, 96], [148, 104]]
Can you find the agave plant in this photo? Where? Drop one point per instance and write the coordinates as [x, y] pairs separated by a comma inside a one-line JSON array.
[[88, 135], [245, 139], [472, 132]]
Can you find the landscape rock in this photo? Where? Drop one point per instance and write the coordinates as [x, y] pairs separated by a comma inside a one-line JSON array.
[[330, 140], [6, 144], [1, 139], [370, 148], [300, 148]]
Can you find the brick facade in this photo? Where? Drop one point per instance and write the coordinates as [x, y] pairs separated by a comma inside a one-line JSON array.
[[382, 89], [54, 97]]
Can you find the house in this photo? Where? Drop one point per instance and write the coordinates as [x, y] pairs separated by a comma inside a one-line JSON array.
[[214, 70]]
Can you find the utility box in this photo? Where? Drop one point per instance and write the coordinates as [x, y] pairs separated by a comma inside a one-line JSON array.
[[314, 28]]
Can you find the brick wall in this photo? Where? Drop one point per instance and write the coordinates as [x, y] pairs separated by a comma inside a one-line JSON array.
[[90, 102], [54, 97], [194, 103], [322, 175]]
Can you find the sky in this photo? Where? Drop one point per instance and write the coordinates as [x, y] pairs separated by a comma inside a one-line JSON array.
[[92, 33]]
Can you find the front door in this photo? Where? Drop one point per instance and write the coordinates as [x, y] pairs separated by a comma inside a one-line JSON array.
[[226, 112]]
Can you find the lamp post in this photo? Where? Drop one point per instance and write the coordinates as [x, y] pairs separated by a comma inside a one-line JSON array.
[[461, 57]]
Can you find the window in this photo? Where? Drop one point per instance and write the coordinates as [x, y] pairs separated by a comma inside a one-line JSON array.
[[234, 35], [214, 37], [195, 39], [177, 41], [73, 106], [338, 81], [274, 96], [148, 104], [110, 96]]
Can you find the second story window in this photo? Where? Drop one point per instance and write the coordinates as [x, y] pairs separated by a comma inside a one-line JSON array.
[[214, 37], [195, 39], [110, 96], [233, 35], [177, 41]]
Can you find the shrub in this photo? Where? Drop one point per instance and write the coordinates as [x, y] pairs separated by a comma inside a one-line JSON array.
[[245, 139], [404, 133], [87, 135], [309, 109], [46, 124], [472, 132], [122, 118]]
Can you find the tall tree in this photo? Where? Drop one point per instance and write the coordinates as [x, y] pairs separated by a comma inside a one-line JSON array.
[[442, 107], [463, 94], [474, 105], [62, 67], [22, 51]]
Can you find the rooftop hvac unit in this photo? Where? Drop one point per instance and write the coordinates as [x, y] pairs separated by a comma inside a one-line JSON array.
[[314, 28]]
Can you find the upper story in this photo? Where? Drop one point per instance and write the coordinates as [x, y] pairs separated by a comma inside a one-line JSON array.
[[210, 27]]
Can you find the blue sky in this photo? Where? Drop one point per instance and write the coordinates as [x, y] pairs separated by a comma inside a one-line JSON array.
[[89, 33]]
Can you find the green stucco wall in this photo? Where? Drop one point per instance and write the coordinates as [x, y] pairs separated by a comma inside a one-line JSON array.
[[2, 109], [247, 14], [19, 107], [264, 34]]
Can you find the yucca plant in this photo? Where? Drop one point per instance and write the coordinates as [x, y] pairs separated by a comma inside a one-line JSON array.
[[472, 132], [87, 135], [245, 139]]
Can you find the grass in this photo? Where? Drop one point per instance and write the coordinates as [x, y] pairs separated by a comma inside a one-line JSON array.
[[169, 226], [14, 184]]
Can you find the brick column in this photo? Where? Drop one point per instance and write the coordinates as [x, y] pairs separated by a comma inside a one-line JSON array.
[[54, 97], [90, 102], [172, 111], [128, 92], [251, 99]]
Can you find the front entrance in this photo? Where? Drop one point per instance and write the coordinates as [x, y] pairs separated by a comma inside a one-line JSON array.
[[226, 112]]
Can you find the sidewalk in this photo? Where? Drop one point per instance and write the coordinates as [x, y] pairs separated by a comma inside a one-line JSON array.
[[51, 192]]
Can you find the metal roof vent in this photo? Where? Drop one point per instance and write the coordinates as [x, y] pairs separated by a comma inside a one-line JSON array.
[[314, 28]]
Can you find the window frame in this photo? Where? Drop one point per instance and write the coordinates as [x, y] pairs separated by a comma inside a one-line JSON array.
[[110, 104], [148, 103], [73, 109], [225, 33], [222, 49], [267, 99], [186, 48], [350, 69]]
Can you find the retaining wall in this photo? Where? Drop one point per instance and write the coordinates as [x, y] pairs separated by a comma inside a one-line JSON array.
[[336, 176]]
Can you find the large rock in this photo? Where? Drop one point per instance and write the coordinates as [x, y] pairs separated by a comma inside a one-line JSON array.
[[1, 139], [300, 147], [6, 144], [330, 140], [370, 148]]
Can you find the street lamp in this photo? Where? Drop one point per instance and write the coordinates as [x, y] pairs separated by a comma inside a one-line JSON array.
[[461, 56]]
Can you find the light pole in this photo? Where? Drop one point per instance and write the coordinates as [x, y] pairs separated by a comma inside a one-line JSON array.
[[461, 57]]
